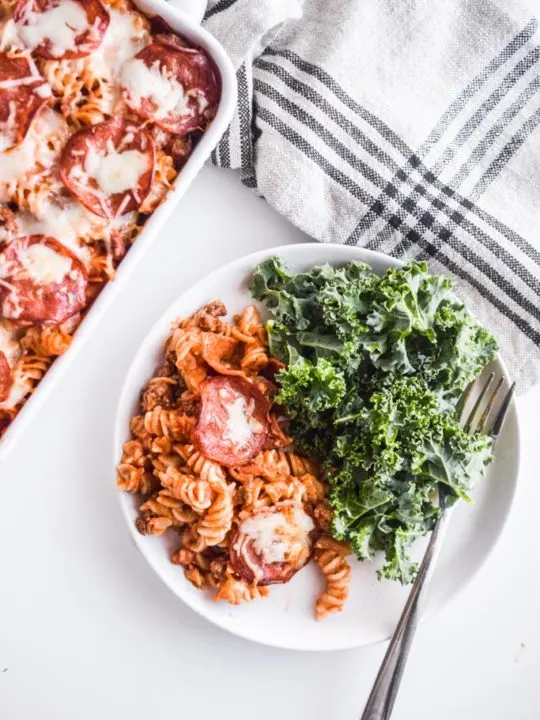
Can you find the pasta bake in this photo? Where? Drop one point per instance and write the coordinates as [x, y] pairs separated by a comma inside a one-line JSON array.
[[212, 461], [100, 107]]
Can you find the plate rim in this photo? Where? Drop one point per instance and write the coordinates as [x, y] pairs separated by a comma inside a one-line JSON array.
[[126, 395]]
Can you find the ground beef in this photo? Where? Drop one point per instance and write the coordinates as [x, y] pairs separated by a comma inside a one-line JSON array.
[[207, 318], [159, 391]]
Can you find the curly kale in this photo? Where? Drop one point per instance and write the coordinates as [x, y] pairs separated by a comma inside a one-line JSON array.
[[375, 366]]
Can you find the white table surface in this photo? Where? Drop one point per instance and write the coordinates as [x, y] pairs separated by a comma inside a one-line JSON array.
[[87, 630]]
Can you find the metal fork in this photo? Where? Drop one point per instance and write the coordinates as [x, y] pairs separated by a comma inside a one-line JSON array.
[[385, 688]]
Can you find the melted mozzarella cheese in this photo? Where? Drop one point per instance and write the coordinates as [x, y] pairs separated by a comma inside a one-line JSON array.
[[264, 531], [8, 128], [202, 100], [116, 172], [9, 344], [156, 84], [66, 222], [8, 35], [43, 264], [43, 90], [52, 131], [123, 39], [63, 223], [240, 424], [41, 146], [60, 25], [277, 538], [16, 82], [14, 164]]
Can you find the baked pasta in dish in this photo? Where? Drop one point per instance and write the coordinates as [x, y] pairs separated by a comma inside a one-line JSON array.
[[211, 458], [99, 109]]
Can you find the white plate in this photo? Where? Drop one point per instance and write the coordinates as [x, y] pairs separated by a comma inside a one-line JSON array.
[[286, 619]]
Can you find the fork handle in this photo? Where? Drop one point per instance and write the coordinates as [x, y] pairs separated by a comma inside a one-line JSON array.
[[384, 691]]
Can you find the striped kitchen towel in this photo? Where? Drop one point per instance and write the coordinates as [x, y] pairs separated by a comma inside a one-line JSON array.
[[405, 126]]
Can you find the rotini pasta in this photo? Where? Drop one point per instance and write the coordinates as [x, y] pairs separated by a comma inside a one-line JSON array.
[[216, 523], [133, 453], [134, 479], [168, 423], [330, 557], [209, 459], [206, 469], [191, 489], [86, 156], [46, 340], [140, 432], [164, 176], [236, 591], [161, 512]]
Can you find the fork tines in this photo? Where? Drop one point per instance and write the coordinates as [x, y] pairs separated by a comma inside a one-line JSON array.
[[486, 423]]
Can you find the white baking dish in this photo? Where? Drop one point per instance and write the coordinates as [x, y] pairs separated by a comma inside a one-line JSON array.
[[184, 21]]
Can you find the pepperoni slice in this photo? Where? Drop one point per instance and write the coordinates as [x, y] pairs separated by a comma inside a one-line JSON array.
[[175, 86], [56, 29], [109, 167], [40, 281], [272, 544], [23, 92], [6, 378], [233, 421], [160, 25]]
